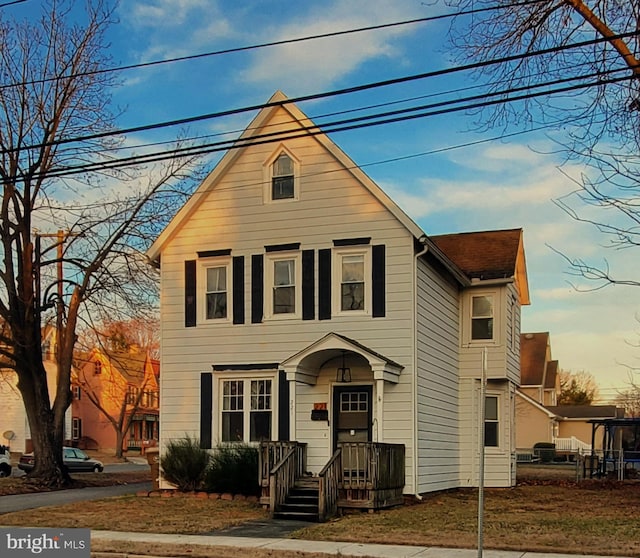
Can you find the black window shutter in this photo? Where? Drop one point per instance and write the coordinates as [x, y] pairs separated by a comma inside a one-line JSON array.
[[378, 281], [283, 406], [238, 289], [257, 288], [324, 284], [190, 293], [308, 285], [206, 409]]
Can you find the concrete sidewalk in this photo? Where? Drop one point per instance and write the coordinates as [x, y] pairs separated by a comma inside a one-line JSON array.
[[246, 544]]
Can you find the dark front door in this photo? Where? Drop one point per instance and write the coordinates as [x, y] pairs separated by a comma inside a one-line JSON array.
[[352, 421]]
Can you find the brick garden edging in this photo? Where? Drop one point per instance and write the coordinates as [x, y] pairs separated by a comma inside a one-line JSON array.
[[200, 495]]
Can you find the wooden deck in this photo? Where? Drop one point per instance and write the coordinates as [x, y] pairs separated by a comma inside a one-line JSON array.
[[359, 475]]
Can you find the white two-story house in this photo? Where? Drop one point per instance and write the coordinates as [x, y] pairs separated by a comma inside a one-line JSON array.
[[302, 308]]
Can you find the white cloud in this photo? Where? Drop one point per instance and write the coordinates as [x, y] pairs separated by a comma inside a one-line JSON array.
[[315, 65], [162, 13]]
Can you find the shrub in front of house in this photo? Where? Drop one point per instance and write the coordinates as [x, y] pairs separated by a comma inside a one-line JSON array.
[[233, 469], [185, 464], [546, 451]]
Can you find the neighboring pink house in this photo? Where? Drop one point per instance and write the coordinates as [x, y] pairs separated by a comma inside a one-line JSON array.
[[120, 382]]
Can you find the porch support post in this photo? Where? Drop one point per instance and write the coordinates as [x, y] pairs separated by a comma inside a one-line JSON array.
[[379, 410], [292, 409]]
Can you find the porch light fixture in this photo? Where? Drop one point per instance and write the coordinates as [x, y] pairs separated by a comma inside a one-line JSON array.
[[343, 374]]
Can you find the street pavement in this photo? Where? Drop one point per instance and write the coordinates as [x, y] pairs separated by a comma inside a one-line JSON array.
[[19, 502]]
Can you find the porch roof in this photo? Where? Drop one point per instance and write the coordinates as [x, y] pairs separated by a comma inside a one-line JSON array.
[[305, 365]]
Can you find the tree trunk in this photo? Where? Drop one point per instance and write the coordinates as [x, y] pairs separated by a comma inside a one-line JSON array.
[[119, 441], [47, 432]]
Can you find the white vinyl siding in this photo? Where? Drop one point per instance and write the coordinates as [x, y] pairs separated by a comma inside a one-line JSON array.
[[233, 215], [437, 381]]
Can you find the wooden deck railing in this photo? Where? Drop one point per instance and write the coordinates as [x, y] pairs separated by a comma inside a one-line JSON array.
[[329, 478], [271, 455], [282, 478], [372, 465]]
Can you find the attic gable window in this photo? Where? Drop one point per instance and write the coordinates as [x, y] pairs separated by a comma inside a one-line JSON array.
[[282, 180], [481, 317]]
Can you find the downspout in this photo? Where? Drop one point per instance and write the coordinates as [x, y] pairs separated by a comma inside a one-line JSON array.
[[425, 248]]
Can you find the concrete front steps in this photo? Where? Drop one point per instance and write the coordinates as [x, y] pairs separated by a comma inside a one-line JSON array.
[[301, 502]]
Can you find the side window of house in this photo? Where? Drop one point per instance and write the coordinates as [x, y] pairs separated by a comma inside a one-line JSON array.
[[282, 179], [481, 317], [97, 367], [76, 428], [247, 407], [491, 421]]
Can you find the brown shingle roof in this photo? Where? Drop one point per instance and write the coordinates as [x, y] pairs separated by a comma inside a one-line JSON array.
[[482, 255], [552, 374], [585, 411], [533, 356]]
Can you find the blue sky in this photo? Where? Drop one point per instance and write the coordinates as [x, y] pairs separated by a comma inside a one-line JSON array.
[[498, 184]]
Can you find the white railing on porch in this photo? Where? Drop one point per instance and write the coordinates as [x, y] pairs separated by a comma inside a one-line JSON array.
[[572, 444]]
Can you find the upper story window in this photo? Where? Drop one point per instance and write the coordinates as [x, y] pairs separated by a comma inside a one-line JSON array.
[[284, 287], [283, 290], [216, 295], [482, 317], [352, 280], [97, 367], [215, 290], [282, 179], [281, 174], [491, 421]]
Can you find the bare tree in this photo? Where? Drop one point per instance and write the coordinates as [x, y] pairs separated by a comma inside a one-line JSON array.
[[577, 388], [125, 386], [600, 123], [53, 113]]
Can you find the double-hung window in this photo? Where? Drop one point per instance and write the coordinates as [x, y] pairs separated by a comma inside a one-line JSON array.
[[216, 307], [247, 410], [482, 317], [491, 421], [352, 280], [352, 286], [215, 292], [282, 179], [283, 285]]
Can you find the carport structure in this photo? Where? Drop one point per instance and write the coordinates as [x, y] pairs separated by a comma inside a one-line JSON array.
[[620, 454]]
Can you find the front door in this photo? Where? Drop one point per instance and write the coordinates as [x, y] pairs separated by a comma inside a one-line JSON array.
[[352, 421]]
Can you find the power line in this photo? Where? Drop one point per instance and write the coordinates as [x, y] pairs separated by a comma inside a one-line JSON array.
[[4, 5], [272, 43], [332, 127], [327, 94]]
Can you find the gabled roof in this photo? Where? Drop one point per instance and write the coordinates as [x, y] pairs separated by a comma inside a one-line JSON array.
[[531, 401], [488, 256], [533, 358], [131, 365], [277, 102], [551, 375]]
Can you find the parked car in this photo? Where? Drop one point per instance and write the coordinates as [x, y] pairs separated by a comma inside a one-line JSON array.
[[5, 462], [74, 459]]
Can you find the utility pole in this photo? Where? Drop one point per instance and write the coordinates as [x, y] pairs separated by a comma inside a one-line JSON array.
[[60, 237]]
